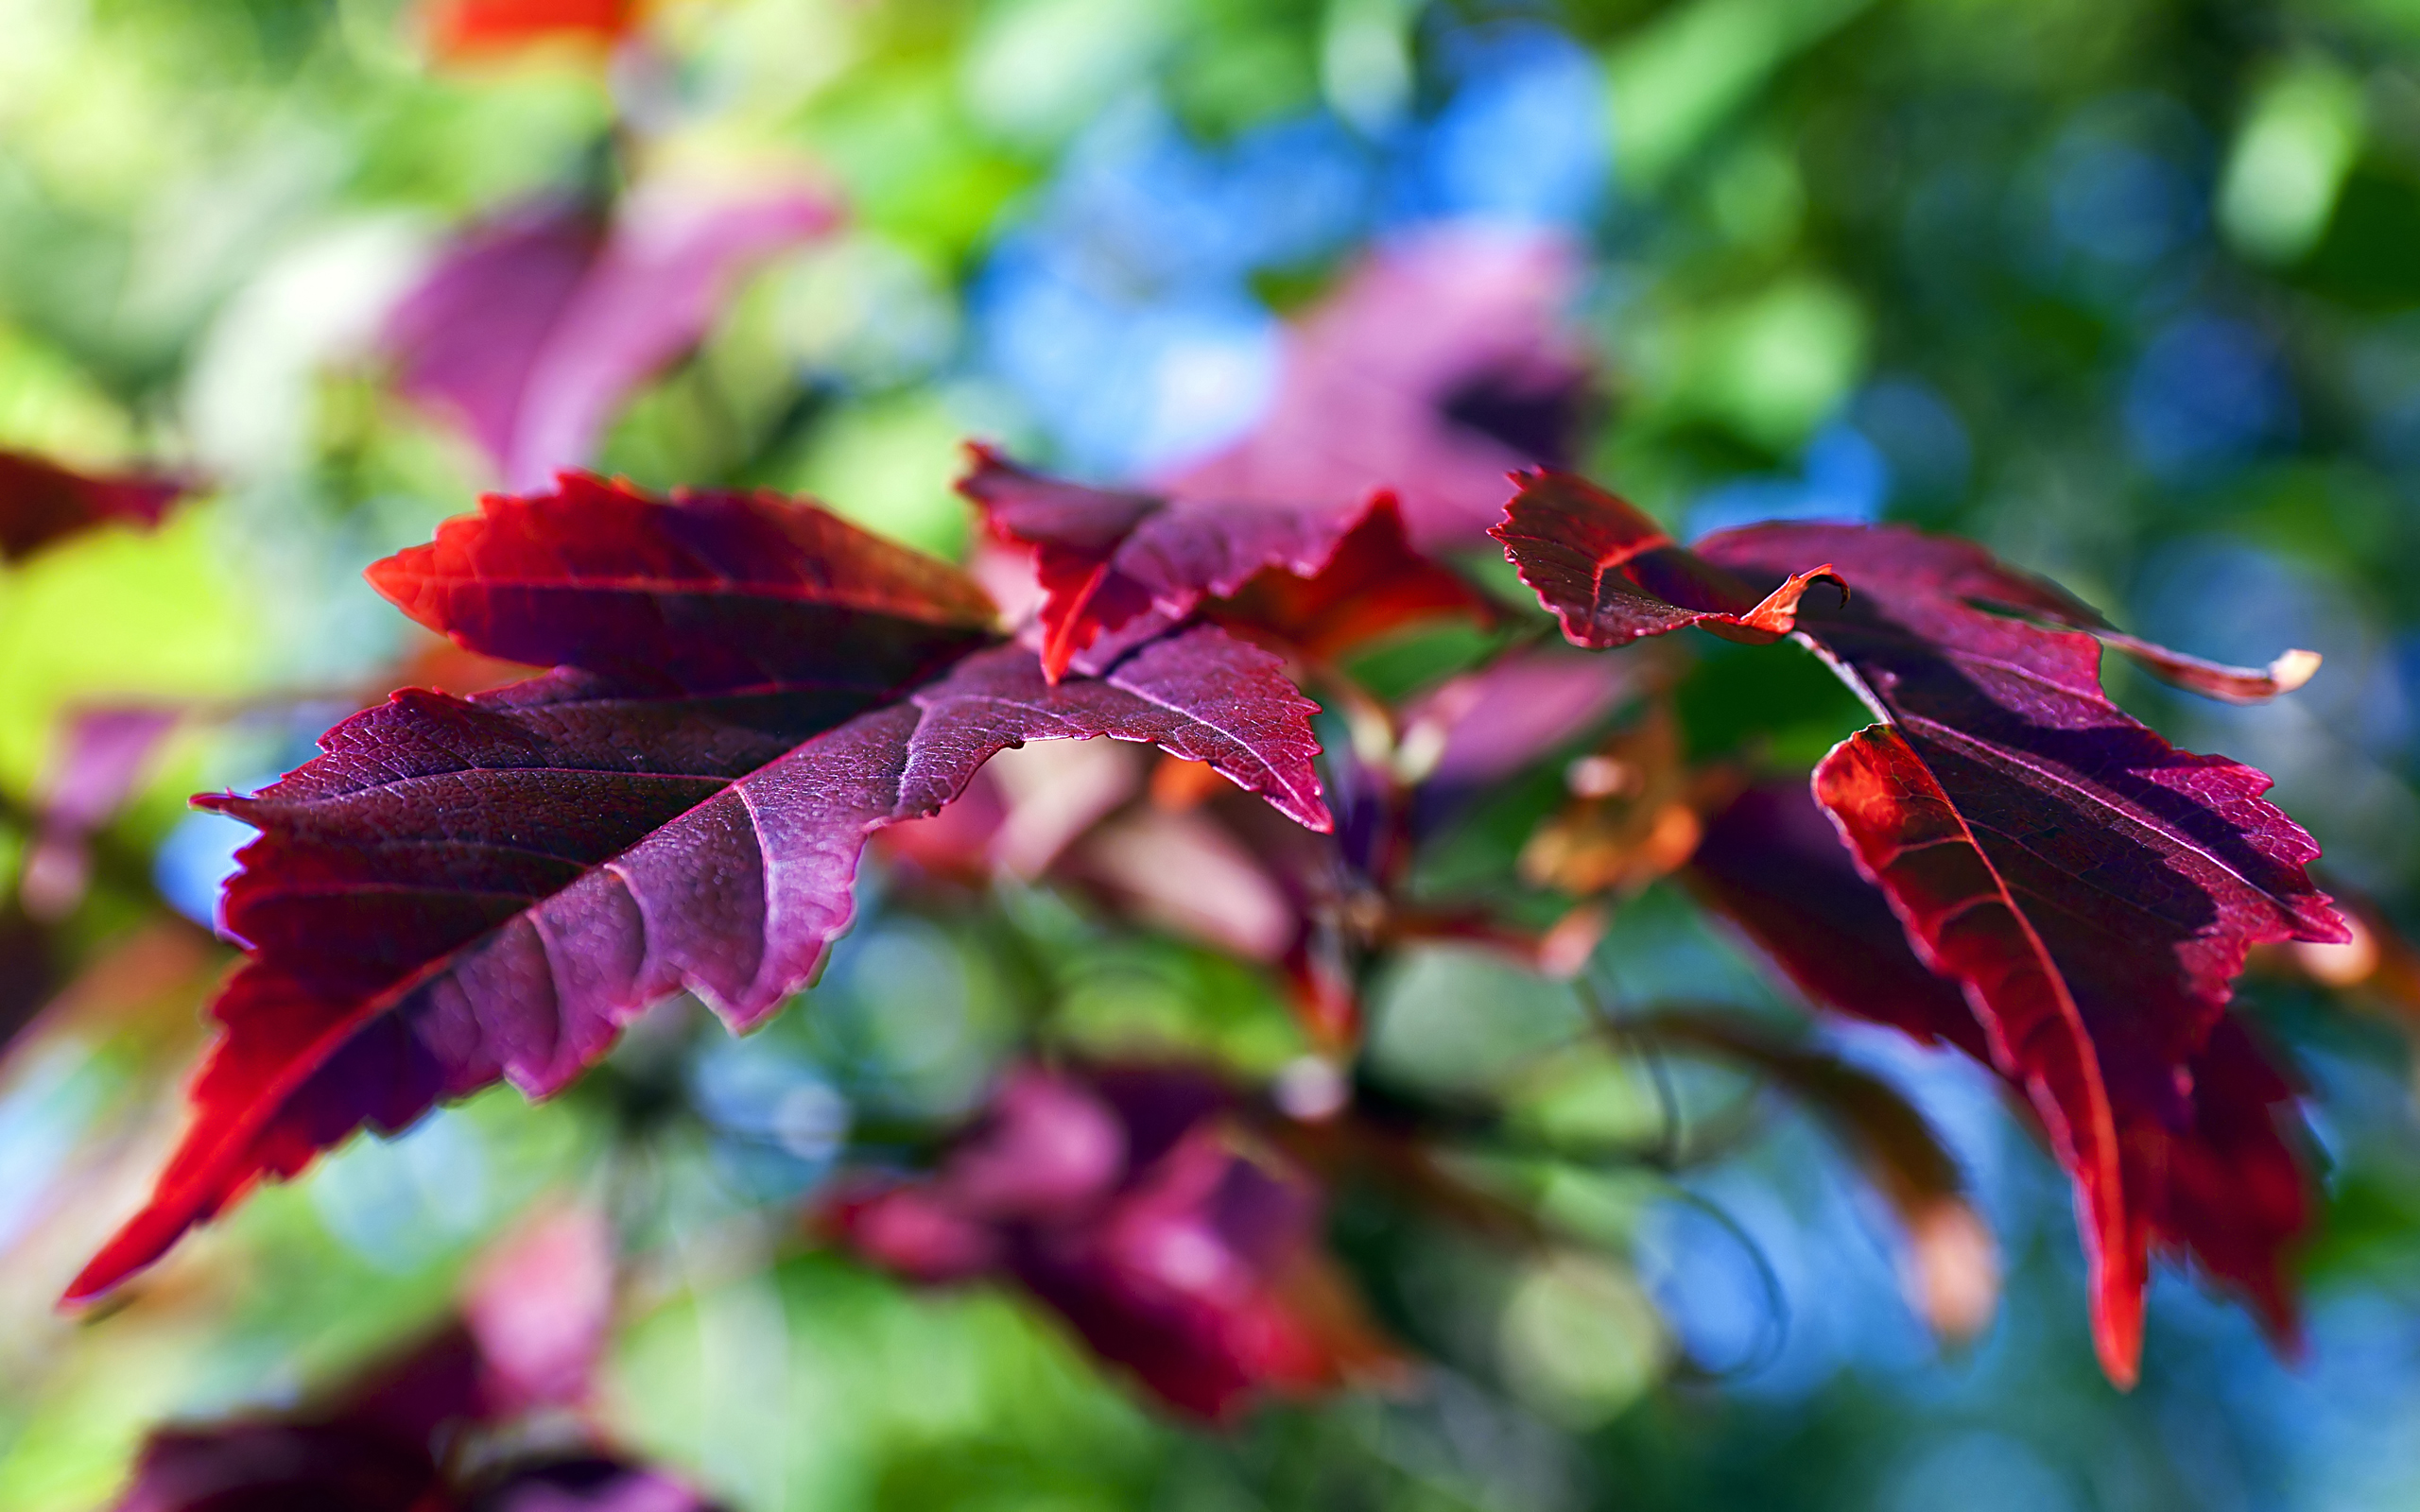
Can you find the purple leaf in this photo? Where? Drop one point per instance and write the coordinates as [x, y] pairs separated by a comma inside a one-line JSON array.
[[537, 325], [1322, 580], [1441, 365], [463, 890], [1123, 1198]]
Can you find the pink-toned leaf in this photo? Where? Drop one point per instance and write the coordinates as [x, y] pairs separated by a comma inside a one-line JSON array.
[[539, 1306], [1441, 364], [463, 890], [1319, 579], [1127, 1200], [537, 325], [41, 503], [1475, 730], [104, 754], [1192, 876]]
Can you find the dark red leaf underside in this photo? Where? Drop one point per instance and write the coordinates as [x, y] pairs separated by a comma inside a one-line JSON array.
[[1612, 576], [41, 503], [2093, 890], [2224, 1185], [1320, 580], [462, 890]]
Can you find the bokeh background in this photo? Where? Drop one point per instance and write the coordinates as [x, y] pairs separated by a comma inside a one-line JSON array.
[[2127, 289]]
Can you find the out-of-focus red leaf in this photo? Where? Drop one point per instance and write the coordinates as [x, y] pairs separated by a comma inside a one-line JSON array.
[[1128, 1202], [1193, 876], [1322, 580], [536, 324], [1475, 730], [103, 755], [1952, 1273], [1612, 576], [441, 1426], [326, 1466], [2217, 1181], [1441, 364], [466, 28], [41, 502], [462, 890], [539, 1307], [2093, 890]]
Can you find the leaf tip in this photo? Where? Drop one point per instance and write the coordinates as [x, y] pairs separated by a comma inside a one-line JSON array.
[[130, 1250], [982, 457], [2294, 669], [2118, 1319]]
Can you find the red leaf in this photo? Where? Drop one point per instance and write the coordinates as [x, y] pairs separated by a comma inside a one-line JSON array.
[[540, 1306], [1126, 1201], [2221, 1183], [460, 28], [1438, 365], [41, 503], [1321, 580], [462, 890], [1612, 576], [2093, 890], [331, 1467], [536, 324], [445, 1424], [1959, 577], [104, 755]]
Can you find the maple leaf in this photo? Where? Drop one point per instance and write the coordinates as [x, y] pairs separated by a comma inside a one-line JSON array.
[[2092, 889], [536, 324], [2221, 1184], [462, 890], [1128, 1200], [1321, 580], [1440, 364], [42, 503]]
